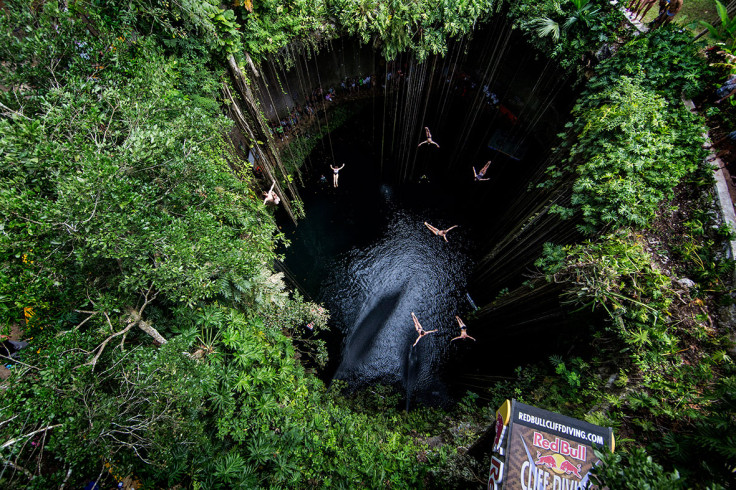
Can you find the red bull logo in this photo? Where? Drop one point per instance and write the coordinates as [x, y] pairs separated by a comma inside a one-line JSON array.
[[558, 464], [570, 469], [548, 461], [560, 446]]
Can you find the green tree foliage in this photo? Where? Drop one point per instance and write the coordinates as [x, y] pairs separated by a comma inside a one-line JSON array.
[[135, 414], [618, 275], [422, 27], [240, 411], [725, 32], [630, 150], [584, 12], [667, 61], [162, 345], [188, 26], [570, 29], [286, 426], [708, 444], [266, 28], [272, 24], [394, 27], [119, 190]]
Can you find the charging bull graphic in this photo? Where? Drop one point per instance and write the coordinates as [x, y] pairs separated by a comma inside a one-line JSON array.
[[568, 468], [548, 461]]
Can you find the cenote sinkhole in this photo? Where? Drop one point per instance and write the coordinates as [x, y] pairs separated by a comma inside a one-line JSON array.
[[187, 301], [363, 250]]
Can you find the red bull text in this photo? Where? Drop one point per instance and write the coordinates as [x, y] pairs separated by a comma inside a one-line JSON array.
[[560, 446]]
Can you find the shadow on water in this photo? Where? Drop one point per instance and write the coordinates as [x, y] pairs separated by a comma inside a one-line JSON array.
[[361, 338]]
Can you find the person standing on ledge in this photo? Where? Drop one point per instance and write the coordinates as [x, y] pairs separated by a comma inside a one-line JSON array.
[[271, 196], [335, 174], [463, 330], [439, 232], [419, 329], [633, 5], [644, 7], [667, 11], [429, 138], [479, 175]]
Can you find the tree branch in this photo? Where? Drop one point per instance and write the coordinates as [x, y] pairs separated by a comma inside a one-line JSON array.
[[28, 474], [143, 325], [134, 319], [68, 474], [30, 434], [3, 106], [16, 361], [91, 315], [9, 420], [100, 348]]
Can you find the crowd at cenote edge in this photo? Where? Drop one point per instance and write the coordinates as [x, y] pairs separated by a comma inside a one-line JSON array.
[[163, 350]]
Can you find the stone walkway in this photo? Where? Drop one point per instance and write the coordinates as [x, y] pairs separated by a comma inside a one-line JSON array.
[[724, 187]]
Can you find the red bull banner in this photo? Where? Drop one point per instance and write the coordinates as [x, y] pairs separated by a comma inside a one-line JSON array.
[[536, 449]]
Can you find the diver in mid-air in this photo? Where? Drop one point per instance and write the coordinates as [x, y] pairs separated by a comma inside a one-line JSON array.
[[463, 330], [439, 232], [336, 174], [271, 196], [419, 329], [429, 138], [479, 175]]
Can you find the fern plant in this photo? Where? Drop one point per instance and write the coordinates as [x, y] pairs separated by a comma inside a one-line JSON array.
[[584, 12], [726, 32]]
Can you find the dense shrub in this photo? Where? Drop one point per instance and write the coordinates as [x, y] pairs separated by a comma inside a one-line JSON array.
[[629, 150], [631, 140]]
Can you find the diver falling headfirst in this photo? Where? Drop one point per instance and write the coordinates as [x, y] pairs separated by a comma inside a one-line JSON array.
[[429, 138], [463, 330], [438, 232], [419, 329]]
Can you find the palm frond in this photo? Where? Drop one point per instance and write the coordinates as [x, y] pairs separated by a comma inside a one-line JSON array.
[[569, 22], [544, 26]]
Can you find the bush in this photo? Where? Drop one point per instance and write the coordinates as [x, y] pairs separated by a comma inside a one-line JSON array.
[[634, 470]]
